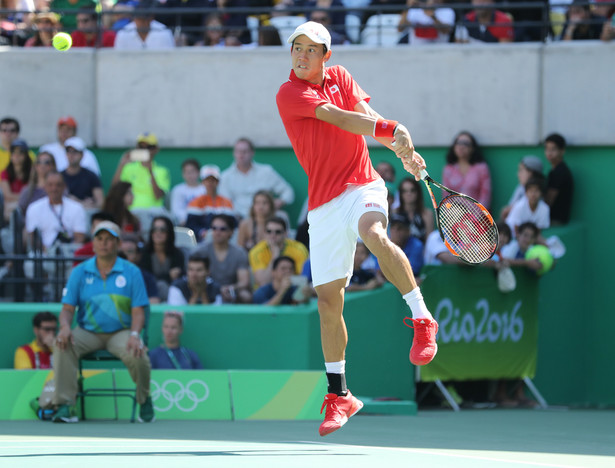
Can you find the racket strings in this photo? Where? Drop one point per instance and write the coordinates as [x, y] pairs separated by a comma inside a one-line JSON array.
[[467, 228]]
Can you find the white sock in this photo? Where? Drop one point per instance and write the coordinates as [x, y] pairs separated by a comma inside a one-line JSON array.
[[338, 367], [414, 299]]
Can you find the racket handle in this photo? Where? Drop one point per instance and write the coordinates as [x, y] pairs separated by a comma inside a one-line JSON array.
[[423, 174]]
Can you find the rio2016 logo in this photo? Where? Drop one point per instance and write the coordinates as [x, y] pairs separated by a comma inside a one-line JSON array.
[[173, 393], [455, 326]]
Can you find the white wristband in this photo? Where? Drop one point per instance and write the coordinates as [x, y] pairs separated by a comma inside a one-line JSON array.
[[135, 333]]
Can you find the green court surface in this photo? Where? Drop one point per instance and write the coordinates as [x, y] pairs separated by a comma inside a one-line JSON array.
[[488, 438]]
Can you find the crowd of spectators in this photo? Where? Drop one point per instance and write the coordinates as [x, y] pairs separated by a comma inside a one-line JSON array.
[[244, 250], [237, 217], [166, 24]]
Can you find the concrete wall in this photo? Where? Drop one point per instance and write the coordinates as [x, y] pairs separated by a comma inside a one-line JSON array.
[[196, 97]]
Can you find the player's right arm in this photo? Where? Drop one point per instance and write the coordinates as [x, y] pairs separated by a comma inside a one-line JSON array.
[[362, 122]]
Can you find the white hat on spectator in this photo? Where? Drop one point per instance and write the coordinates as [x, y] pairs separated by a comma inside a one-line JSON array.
[[210, 170], [75, 142]]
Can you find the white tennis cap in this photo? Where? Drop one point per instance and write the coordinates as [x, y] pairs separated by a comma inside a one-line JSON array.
[[315, 31]]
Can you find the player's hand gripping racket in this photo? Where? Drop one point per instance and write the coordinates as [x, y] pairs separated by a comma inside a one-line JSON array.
[[466, 227]]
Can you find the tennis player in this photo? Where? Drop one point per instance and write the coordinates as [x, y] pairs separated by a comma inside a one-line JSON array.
[[326, 115]]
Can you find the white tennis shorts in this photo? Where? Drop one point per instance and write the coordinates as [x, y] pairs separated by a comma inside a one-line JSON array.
[[334, 230]]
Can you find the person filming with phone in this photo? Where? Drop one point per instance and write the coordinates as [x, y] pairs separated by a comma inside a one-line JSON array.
[[281, 290], [150, 181]]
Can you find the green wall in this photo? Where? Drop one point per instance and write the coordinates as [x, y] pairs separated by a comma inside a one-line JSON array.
[[253, 337], [577, 298]]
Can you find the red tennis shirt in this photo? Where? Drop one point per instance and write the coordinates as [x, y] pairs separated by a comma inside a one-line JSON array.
[[331, 157]]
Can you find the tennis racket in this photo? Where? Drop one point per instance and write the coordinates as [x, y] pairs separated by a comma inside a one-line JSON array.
[[466, 227]]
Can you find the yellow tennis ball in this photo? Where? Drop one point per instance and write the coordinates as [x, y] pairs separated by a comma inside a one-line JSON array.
[[62, 41]]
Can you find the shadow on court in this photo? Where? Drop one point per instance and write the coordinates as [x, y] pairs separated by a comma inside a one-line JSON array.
[[574, 432]]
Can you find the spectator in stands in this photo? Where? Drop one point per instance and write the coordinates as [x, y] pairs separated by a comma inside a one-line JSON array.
[[188, 190], [514, 252], [608, 27], [466, 170], [363, 279], [118, 200], [171, 354], [560, 184], [245, 177], [214, 34], [436, 252], [202, 209], [131, 247], [276, 244], [280, 291], [67, 128], [530, 208], [386, 171], [236, 23], [337, 26], [528, 21], [35, 189], [87, 250], [70, 9], [252, 228], [485, 24], [88, 32], [229, 265], [150, 181], [197, 287], [9, 131], [56, 217], [581, 23], [400, 235], [110, 299], [16, 175], [83, 185], [47, 24], [38, 353], [144, 32], [268, 36], [161, 257], [187, 24], [412, 207], [530, 166], [122, 15], [426, 25], [13, 26]]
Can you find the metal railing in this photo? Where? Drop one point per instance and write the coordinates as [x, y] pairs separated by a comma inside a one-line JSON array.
[[188, 22]]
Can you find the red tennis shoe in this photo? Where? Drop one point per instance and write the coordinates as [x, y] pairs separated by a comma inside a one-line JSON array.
[[424, 346], [339, 409]]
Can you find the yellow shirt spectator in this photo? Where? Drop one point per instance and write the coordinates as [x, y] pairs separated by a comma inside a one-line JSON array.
[[260, 254], [140, 178]]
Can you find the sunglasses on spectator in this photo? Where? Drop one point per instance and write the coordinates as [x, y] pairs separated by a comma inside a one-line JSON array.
[[146, 146], [219, 228], [275, 231], [46, 162], [464, 143], [8, 130], [159, 229], [48, 329]]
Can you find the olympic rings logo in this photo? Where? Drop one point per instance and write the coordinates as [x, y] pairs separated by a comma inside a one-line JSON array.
[[173, 393]]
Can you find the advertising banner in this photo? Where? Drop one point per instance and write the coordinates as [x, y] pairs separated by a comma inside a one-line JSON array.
[[484, 333]]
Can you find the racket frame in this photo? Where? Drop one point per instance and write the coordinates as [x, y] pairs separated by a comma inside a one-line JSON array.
[[427, 180]]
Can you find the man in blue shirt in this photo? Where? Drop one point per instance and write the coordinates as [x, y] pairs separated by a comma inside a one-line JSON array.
[[109, 296]]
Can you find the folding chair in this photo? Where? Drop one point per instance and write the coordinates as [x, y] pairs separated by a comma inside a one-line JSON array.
[[105, 356], [381, 30], [286, 25]]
